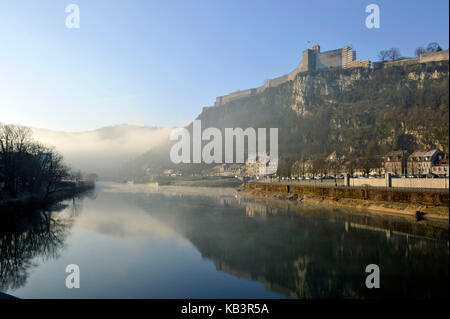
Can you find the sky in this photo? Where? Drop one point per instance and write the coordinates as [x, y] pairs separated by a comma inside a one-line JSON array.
[[157, 63]]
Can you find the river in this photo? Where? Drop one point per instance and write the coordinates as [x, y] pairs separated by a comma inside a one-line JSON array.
[[133, 242]]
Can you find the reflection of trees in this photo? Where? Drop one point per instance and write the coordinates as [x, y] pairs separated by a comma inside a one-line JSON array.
[[38, 233]]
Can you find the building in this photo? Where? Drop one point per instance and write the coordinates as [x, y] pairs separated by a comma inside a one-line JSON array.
[[395, 162], [256, 166], [441, 166], [228, 170], [312, 60], [300, 168], [421, 161], [335, 157]]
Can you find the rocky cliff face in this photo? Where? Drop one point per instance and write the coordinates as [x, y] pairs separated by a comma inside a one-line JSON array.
[[307, 87], [356, 112], [347, 109]]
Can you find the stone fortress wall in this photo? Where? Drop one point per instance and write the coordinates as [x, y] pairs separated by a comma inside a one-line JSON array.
[[314, 60]]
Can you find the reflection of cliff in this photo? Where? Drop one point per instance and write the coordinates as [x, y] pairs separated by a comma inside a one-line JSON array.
[[37, 233], [310, 253]]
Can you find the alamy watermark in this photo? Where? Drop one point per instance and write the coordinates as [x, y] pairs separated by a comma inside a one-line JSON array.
[[212, 151], [373, 19], [73, 17], [373, 279], [73, 279]]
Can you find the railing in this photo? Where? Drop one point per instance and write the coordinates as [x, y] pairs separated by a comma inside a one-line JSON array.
[[404, 184]]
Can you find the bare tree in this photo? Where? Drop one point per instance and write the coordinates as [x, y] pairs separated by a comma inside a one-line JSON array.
[[350, 166], [14, 141], [433, 47], [419, 51], [383, 55], [394, 54], [367, 164], [28, 167]]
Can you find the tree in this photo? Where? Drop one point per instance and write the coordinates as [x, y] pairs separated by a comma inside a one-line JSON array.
[[433, 47], [405, 142], [419, 51], [319, 166], [350, 166], [383, 55], [335, 167], [391, 54], [55, 172], [367, 164], [26, 166], [394, 54], [284, 168], [14, 141]]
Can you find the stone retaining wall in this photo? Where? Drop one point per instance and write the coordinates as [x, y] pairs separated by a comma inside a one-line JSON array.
[[387, 195]]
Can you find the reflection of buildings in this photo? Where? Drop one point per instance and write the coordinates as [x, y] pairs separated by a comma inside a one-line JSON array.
[[305, 257], [255, 209], [312, 252]]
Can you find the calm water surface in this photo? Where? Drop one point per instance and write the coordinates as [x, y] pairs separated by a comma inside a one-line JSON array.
[[184, 245]]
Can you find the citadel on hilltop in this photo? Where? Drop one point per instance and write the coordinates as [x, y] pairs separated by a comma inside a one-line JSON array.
[[314, 60]]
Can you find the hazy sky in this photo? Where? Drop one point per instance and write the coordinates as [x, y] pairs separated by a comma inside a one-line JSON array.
[[159, 62]]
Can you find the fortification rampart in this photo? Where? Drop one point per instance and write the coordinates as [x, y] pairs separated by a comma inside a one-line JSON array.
[[402, 62], [314, 60], [434, 56]]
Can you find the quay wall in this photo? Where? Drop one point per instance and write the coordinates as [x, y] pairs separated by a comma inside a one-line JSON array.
[[435, 183], [386, 195]]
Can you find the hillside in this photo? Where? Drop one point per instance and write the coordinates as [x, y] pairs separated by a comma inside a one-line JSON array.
[[103, 150], [357, 112]]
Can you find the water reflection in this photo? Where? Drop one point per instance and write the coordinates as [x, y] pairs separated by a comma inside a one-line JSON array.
[[295, 250], [26, 234], [306, 252]]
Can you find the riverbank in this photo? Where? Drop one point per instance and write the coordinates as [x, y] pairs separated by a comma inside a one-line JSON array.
[[196, 181], [34, 201], [382, 207]]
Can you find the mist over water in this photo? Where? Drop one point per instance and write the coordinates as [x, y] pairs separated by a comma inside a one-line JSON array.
[[180, 242]]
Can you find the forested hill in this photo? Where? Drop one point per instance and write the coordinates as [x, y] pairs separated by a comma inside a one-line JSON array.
[[357, 112]]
